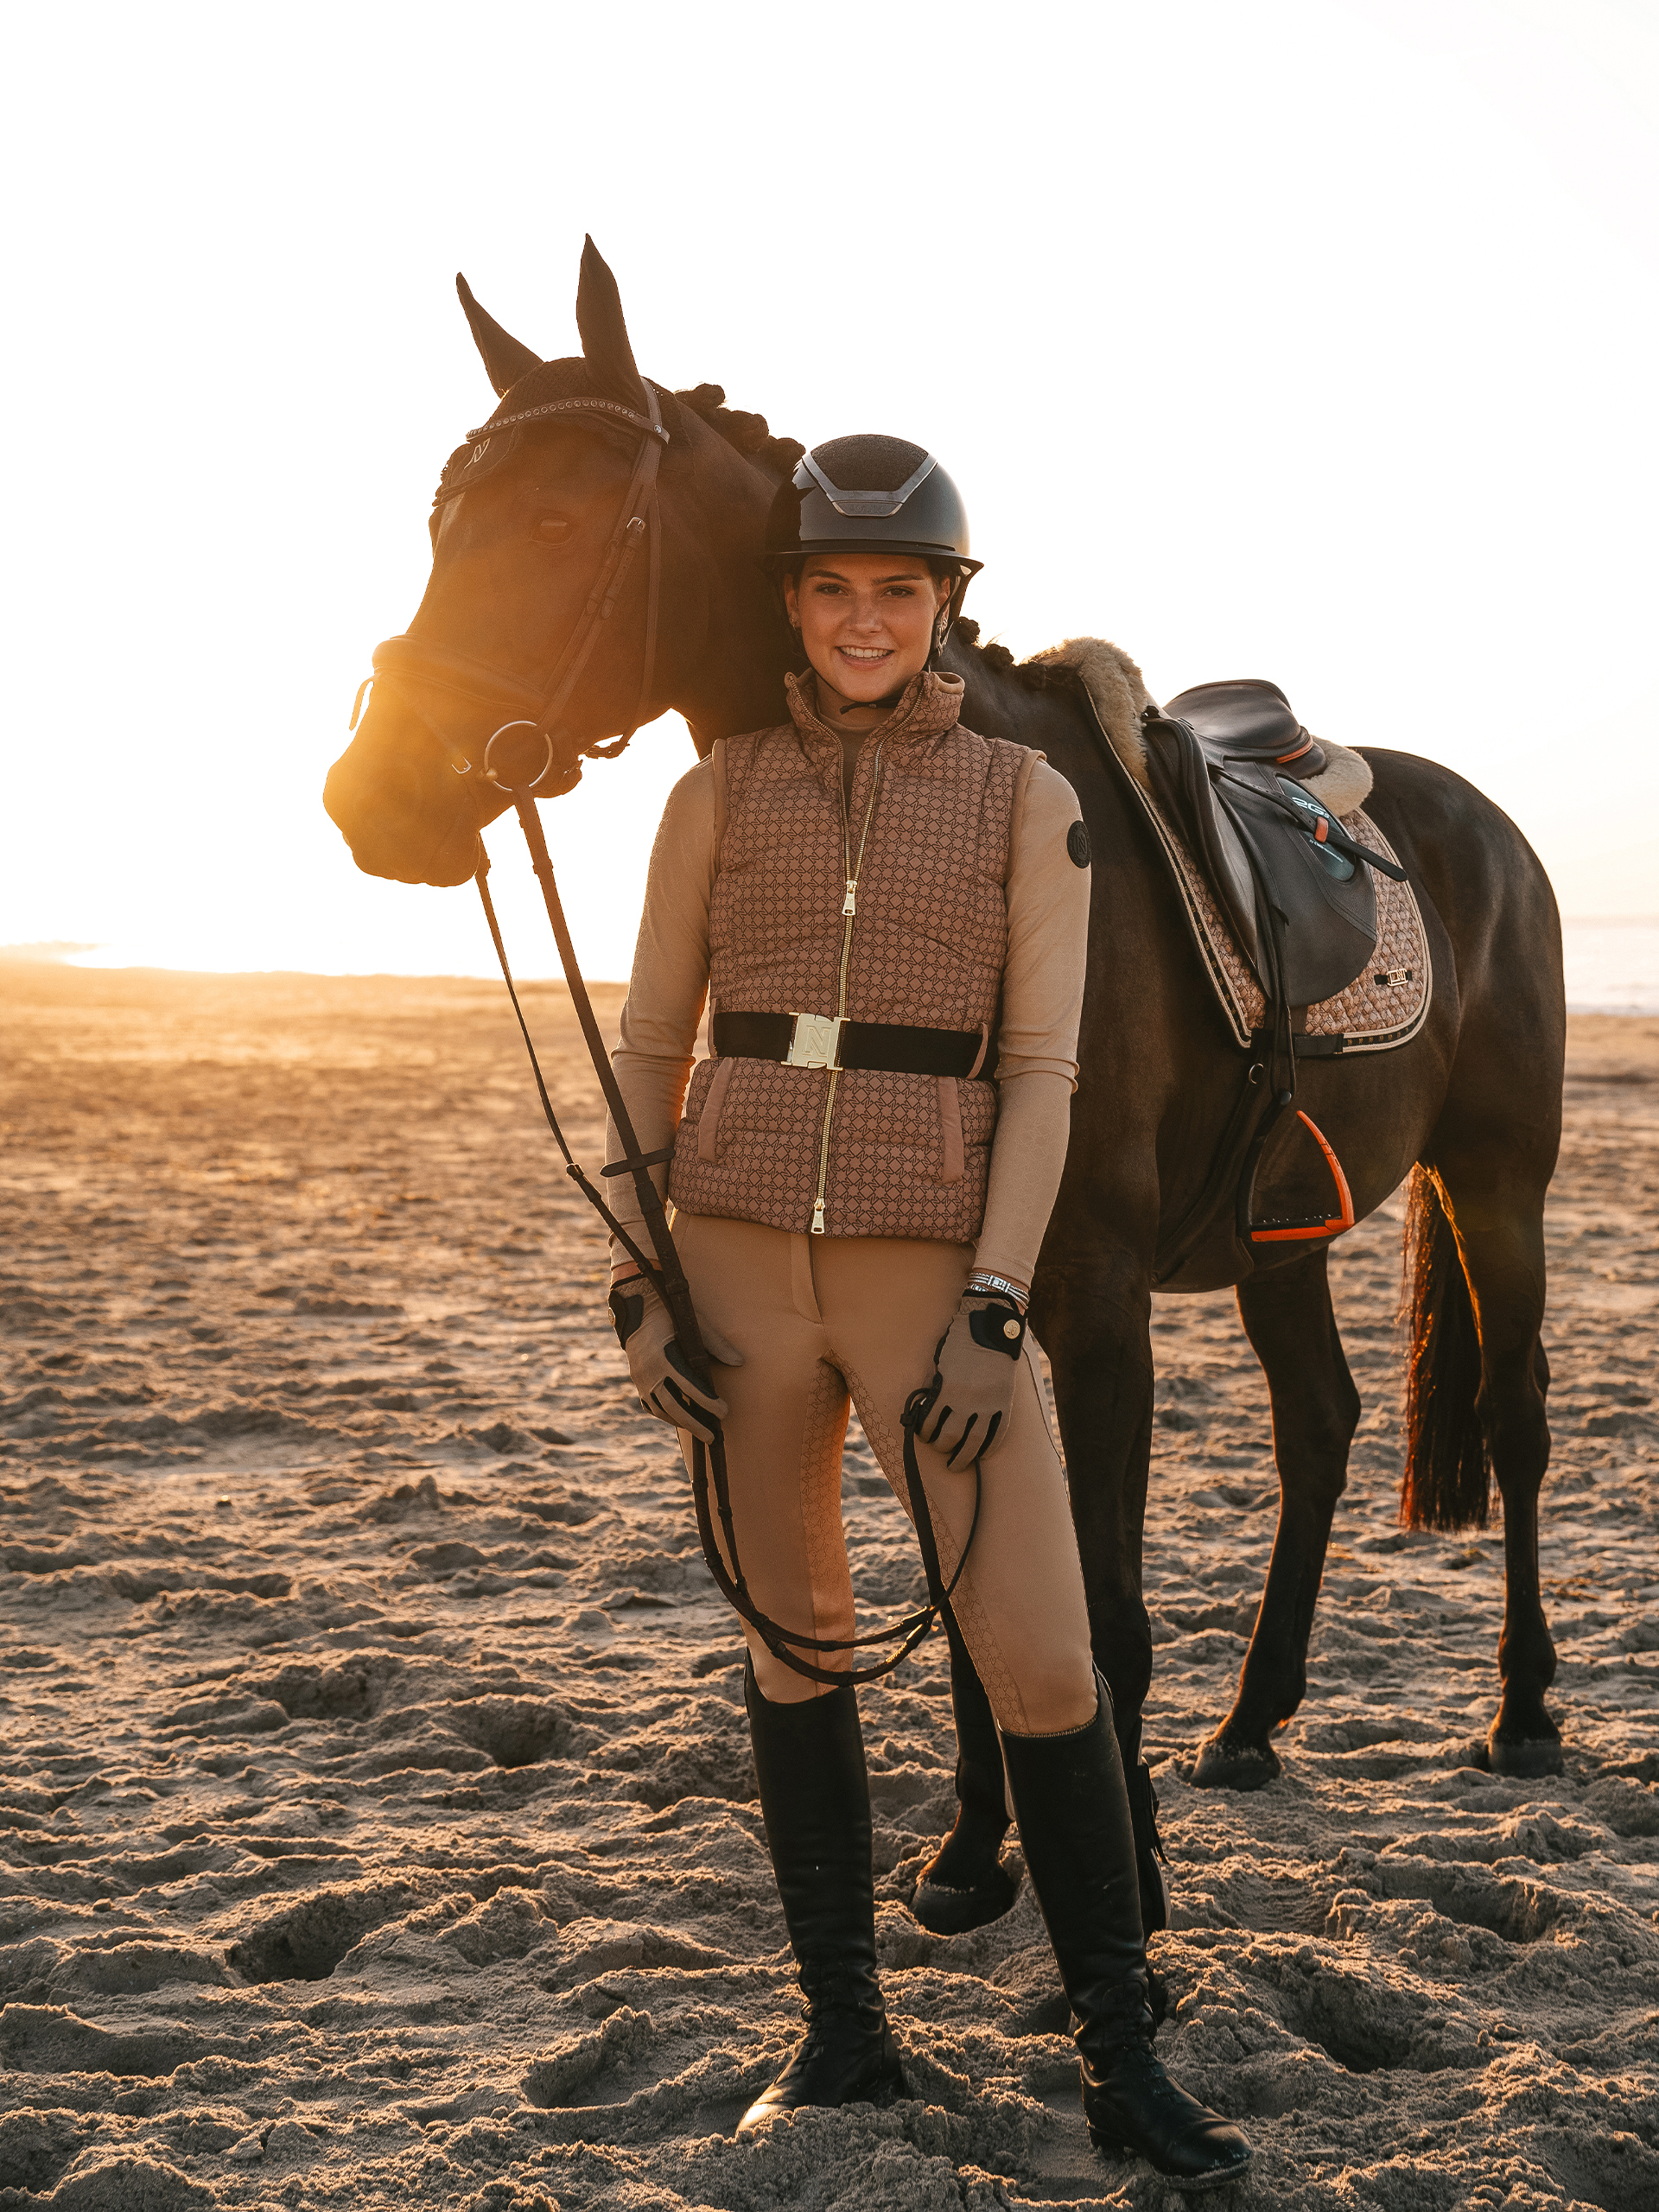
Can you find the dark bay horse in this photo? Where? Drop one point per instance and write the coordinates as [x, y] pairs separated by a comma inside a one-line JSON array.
[[1469, 1109]]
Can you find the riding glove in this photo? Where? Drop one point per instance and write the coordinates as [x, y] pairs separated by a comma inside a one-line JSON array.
[[978, 1365], [644, 1329]]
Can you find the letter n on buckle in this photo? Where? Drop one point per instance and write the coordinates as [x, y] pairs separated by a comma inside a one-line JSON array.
[[815, 1042]]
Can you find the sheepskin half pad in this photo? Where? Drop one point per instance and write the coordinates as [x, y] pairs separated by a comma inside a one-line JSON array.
[[1387, 1003]]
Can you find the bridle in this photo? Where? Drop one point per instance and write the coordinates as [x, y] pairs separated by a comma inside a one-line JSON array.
[[414, 664], [407, 662]]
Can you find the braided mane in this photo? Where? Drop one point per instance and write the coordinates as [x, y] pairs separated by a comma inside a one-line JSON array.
[[1029, 675], [575, 379], [747, 433]]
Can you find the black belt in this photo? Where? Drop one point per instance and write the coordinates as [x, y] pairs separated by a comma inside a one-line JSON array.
[[818, 1041]]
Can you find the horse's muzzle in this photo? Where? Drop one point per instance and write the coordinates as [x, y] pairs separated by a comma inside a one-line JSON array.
[[404, 812]]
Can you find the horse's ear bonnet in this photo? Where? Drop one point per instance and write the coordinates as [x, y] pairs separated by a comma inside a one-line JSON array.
[[605, 345], [522, 380], [605, 348], [504, 360]]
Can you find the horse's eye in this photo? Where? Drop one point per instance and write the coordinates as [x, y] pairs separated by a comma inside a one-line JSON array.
[[551, 529]]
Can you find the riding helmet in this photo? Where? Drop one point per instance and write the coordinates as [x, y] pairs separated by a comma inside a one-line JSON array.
[[872, 495]]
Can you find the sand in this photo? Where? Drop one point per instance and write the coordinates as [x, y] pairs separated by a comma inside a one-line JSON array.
[[379, 1823]]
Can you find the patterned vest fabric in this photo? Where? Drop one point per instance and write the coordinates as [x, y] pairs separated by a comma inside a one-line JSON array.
[[894, 1155]]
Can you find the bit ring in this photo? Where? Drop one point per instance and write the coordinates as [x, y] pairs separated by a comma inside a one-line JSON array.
[[523, 723]]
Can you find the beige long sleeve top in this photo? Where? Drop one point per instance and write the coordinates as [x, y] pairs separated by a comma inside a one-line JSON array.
[[1042, 1004]]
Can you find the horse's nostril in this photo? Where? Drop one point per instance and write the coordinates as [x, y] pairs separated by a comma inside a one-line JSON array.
[[416, 833]]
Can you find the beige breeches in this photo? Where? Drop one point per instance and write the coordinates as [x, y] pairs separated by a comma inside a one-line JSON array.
[[819, 1320]]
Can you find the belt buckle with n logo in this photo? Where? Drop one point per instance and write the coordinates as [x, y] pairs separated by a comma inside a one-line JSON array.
[[815, 1041]]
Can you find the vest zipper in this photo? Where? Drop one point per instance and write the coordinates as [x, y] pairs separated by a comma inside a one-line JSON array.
[[849, 908]]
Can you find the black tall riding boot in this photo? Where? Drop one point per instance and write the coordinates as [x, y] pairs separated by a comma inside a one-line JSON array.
[[965, 1884], [815, 1796], [1073, 1812]]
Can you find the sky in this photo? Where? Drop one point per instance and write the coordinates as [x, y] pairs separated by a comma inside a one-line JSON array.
[[1314, 340]]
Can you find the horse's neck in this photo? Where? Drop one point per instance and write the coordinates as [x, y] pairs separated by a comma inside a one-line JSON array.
[[739, 684], [998, 703], [727, 675]]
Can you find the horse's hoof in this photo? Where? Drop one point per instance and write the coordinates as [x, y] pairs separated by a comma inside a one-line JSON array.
[[944, 1911], [1224, 1763], [1525, 1757]]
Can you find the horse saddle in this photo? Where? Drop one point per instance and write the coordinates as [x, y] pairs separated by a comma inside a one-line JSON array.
[[1228, 763]]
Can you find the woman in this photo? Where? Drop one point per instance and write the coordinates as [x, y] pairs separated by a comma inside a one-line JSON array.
[[890, 913]]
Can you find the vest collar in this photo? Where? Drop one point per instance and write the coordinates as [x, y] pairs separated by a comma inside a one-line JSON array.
[[928, 706]]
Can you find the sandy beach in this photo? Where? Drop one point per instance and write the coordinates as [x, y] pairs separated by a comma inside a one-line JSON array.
[[378, 1822]]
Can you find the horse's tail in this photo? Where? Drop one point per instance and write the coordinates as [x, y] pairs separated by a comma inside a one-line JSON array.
[[1446, 1484]]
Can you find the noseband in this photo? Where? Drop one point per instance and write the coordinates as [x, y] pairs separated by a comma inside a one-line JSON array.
[[414, 665]]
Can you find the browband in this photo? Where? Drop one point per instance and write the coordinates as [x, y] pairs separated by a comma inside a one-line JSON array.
[[568, 407]]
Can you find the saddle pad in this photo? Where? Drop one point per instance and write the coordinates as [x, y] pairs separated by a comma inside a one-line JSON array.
[[1386, 1004], [1388, 1001]]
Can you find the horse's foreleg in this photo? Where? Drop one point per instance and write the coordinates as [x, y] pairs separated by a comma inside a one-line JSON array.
[[1289, 1320], [1096, 1327], [1093, 1319], [965, 1885]]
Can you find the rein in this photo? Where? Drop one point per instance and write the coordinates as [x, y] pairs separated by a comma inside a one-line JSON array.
[[408, 661], [667, 1275]]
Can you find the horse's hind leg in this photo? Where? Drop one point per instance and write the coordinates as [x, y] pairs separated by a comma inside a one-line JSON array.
[[1287, 1316], [1497, 1211], [1475, 1398]]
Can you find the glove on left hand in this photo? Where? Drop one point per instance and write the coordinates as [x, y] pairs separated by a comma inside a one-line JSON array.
[[977, 1361]]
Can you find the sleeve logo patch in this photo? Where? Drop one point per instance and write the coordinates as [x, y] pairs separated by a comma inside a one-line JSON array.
[[1077, 844]]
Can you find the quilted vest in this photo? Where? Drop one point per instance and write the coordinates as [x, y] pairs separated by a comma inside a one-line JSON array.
[[886, 1155]]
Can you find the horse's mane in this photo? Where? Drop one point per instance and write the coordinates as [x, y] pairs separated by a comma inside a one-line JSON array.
[[573, 378], [748, 433], [1030, 675]]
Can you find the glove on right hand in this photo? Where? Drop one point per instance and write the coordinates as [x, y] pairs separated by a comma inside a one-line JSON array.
[[977, 1361], [644, 1329]]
